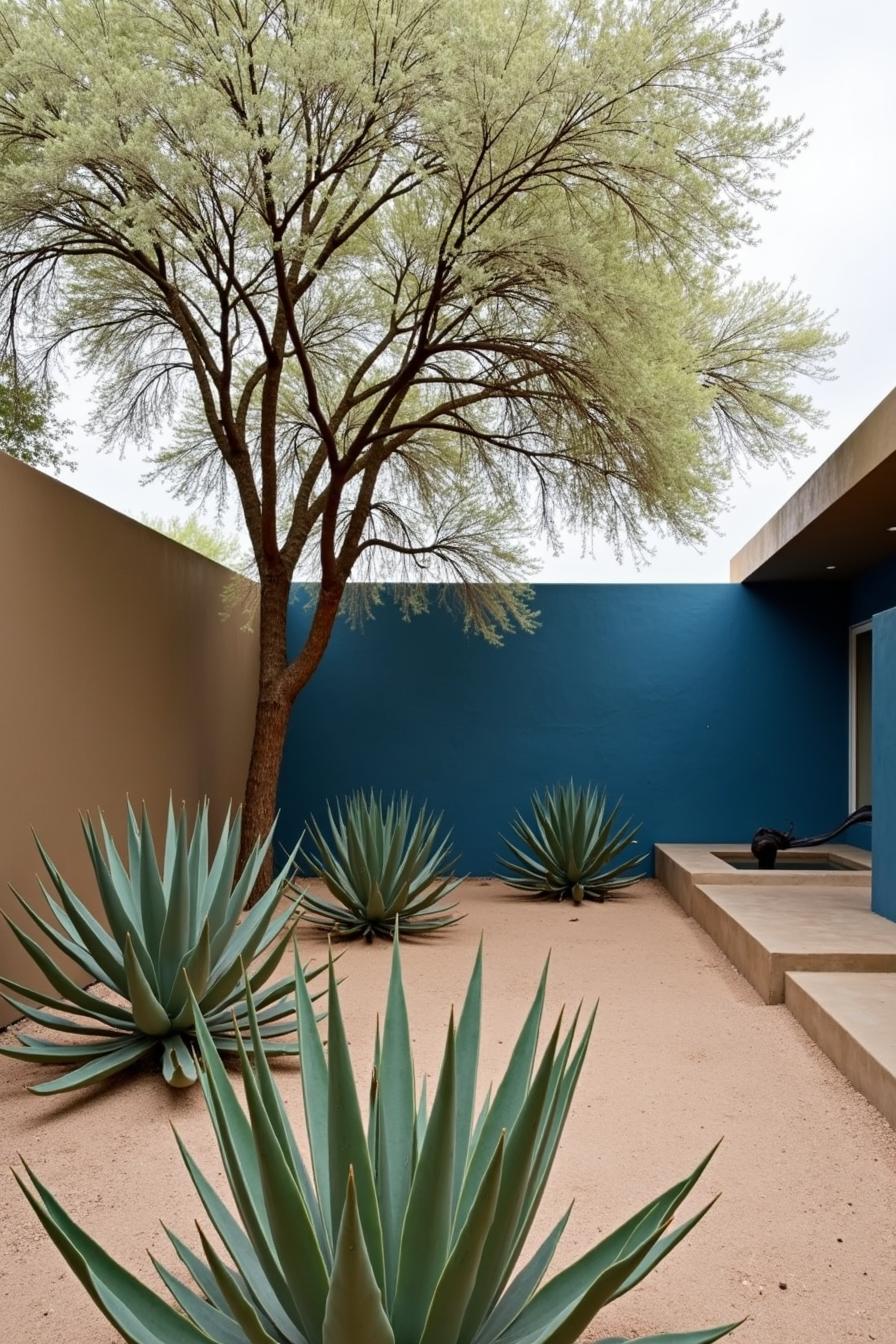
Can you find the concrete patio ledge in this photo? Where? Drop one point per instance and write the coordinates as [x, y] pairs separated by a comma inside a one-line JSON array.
[[770, 930], [852, 1018], [681, 867], [769, 923]]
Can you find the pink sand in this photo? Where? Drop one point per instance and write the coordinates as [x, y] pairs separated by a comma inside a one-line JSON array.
[[684, 1054]]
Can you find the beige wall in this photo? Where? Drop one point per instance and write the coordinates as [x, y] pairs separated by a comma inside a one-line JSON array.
[[117, 677]]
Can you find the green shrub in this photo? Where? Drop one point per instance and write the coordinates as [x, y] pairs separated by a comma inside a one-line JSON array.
[[571, 848], [408, 1233], [381, 864], [170, 929]]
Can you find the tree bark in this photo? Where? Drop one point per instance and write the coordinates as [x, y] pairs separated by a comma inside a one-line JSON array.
[[279, 683], [260, 800], [271, 720]]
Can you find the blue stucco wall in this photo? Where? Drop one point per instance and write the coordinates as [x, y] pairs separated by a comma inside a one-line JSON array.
[[883, 763], [873, 591], [869, 593], [712, 708]]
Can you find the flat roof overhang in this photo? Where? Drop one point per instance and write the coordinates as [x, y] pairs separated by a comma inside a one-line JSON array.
[[841, 517]]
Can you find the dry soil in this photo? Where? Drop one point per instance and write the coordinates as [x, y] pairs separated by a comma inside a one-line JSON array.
[[801, 1243]]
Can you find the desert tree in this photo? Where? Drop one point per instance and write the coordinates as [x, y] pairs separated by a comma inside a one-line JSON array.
[[412, 279], [30, 427], [215, 543]]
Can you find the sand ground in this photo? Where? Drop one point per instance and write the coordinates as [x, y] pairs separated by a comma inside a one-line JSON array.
[[801, 1243]]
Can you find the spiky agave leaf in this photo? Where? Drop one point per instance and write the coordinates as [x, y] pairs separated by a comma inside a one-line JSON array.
[[175, 931], [382, 865], [571, 847], [408, 1233]]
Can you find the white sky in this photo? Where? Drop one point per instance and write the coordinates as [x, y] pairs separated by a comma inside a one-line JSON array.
[[832, 232]]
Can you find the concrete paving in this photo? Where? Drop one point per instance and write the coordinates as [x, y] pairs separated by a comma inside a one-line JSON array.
[[681, 867], [808, 939], [770, 930], [851, 1016], [769, 923]]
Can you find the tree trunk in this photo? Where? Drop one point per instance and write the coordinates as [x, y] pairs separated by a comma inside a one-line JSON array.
[[260, 801], [271, 721], [279, 683]]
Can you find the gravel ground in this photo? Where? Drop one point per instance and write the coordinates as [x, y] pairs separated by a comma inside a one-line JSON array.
[[801, 1244]]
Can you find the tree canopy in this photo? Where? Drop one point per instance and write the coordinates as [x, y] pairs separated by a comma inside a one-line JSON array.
[[418, 279], [473, 259], [29, 427], [197, 535]]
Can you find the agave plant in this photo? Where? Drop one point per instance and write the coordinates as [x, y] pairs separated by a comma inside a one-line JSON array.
[[171, 931], [383, 867], [571, 849], [409, 1233]]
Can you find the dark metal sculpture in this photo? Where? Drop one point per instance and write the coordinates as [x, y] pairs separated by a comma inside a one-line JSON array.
[[767, 842]]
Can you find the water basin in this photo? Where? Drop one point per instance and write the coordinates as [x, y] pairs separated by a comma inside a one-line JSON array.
[[790, 863]]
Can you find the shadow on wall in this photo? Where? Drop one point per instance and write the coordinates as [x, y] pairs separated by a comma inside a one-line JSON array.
[[712, 709]]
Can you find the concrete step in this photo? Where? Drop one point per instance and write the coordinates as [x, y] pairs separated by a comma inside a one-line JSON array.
[[681, 867], [851, 1016], [770, 930]]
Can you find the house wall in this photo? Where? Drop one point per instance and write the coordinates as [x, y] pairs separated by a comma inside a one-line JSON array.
[[869, 593], [883, 879], [872, 591], [118, 677], [713, 709]]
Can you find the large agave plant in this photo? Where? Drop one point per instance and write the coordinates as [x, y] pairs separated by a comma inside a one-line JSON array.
[[384, 868], [571, 848], [171, 929], [409, 1233]]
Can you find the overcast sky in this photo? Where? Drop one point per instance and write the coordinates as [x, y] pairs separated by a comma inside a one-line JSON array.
[[832, 232]]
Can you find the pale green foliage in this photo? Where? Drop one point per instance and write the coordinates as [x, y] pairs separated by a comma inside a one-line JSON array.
[[571, 848], [29, 427], [191, 531], [384, 867], [420, 280], [175, 949], [408, 1234], [490, 610]]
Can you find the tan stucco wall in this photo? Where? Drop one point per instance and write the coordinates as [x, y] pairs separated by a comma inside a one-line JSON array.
[[118, 677]]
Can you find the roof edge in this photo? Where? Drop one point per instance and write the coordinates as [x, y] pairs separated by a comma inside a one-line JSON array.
[[869, 444]]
